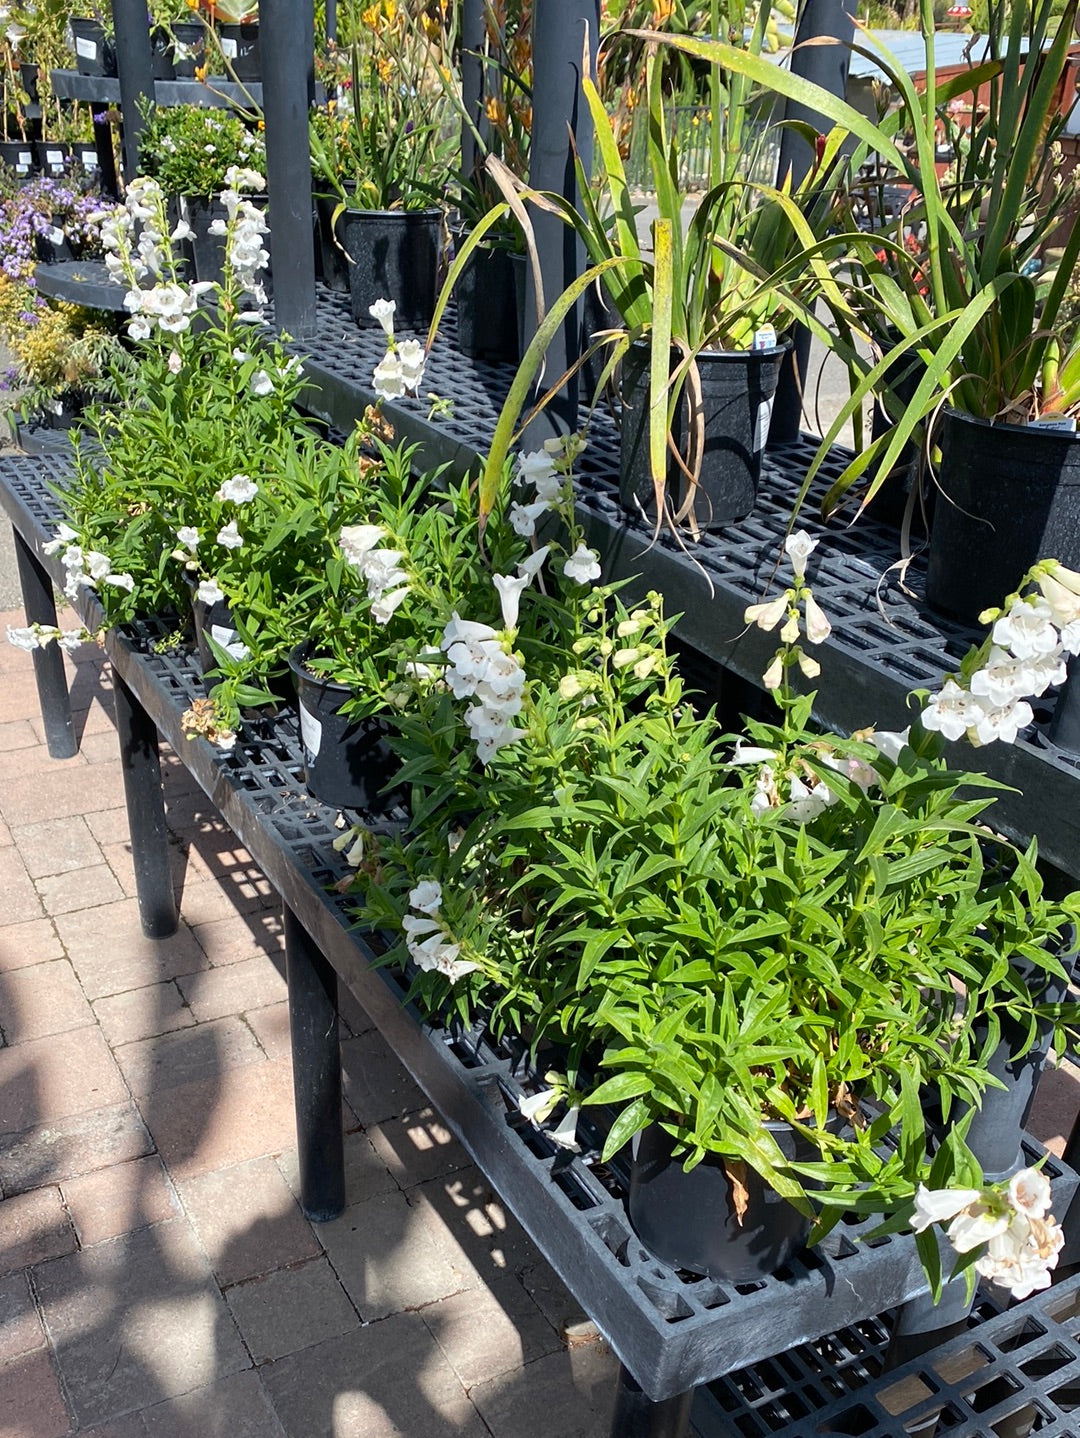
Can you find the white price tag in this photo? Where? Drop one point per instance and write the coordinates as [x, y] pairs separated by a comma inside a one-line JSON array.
[[310, 732], [229, 47], [25, 158], [1059, 422], [86, 48], [55, 236], [222, 635], [54, 157], [88, 159], [761, 426]]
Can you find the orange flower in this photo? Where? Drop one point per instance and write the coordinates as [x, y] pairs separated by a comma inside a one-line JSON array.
[[495, 110], [662, 12], [385, 68]]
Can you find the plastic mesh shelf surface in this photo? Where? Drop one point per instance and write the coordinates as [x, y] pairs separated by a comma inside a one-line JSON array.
[[672, 1330]]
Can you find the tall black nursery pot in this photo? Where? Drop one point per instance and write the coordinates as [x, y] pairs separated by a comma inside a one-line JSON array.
[[240, 48], [737, 389], [346, 761], [211, 621], [1009, 495], [396, 256], [689, 1219], [95, 54], [487, 317]]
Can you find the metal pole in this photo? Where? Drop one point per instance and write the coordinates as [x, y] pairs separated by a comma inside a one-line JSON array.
[[472, 82], [558, 44], [141, 768], [135, 66], [639, 1417], [316, 1056], [40, 607], [827, 67], [331, 21], [286, 41]]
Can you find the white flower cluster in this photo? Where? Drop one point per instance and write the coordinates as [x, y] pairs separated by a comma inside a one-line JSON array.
[[84, 568], [480, 667], [40, 636], [387, 582], [1023, 1239], [798, 547], [244, 230], [539, 1106], [128, 260], [430, 944], [807, 793], [1028, 647], [547, 470], [401, 369]]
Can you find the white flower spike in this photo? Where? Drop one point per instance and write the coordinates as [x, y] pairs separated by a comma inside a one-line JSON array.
[[798, 547]]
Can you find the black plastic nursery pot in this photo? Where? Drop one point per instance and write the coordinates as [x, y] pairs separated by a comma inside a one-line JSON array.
[[1009, 495], [28, 78], [18, 156], [211, 621], [335, 267], [395, 256], [346, 761], [240, 49], [95, 54], [690, 1221], [188, 47], [737, 390], [161, 53], [53, 246], [53, 158], [487, 304], [205, 250]]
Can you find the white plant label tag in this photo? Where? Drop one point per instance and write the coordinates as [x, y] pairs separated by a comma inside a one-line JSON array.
[[55, 236], [223, 636], [54, 157], [310, 732], [1059, 422], [23, 167], [761, 427], [86, 48], [88, 159], [228, 47]]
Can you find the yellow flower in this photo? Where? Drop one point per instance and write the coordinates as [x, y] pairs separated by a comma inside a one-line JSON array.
[[495, 110], [368, 17], [201, 71], [385, 68], [662, 12]]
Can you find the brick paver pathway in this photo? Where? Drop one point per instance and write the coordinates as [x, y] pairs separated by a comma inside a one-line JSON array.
[[157, 1277]]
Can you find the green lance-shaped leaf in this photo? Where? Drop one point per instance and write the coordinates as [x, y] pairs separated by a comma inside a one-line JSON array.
[[660, 358]]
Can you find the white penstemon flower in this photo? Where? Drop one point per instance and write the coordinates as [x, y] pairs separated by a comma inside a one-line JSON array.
[[430, 944], [481, 668], [401, 369], [387, 582], [785, 608], [40, 636], [1022, 1239]]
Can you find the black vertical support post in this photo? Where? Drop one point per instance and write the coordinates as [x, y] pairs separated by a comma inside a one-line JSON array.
[[827, 67], [558, 108], [331, 21], [37, 595], [141, 767], [639, 1417], [316, 1057], [103, 143], [472, 82], [286, 42], [135, 66]]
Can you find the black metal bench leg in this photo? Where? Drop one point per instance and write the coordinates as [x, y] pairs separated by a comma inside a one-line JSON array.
[[316, 1056], [141, 768], [37, 593], [639, 1417]]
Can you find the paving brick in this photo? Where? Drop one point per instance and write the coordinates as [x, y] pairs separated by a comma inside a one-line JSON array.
[[290, 1310], [20, 902], [244, 1112], [20, 1326], [23, 764], [31, 1405], [5, 836], [1056, 1107], [47, 1079], [271, 1027], [376, 1084], [119, 859], [234, 1407], [119, 1200], [86, 889], [467, 1221], [216, 853], [388, 1258], [356, 1018], [186, 1055], [365, 1172], [235, 940], [67, 1147], [109, 826], [100, 747], [123, 1428], [65, 788], [44, 999], [32, 942], [18, 694], [33, 1227], [569, 1394], [551, 1296], [251, 984], [386, 1381], [16, 734], [490, 1331], [142, 1013], [136, 1320], [417, 1147], [247, 1220], [205, 900], [57, 846], [111, 954]]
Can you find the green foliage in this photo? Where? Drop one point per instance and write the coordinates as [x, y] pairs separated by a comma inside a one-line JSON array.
[[189, 149]]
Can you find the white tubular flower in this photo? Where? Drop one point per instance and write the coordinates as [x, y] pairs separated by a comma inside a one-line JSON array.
[[383, 311], [807, 801], [536, 467], [798, 547], [412, 359], [1061, 590], [120, 581], [530, 567], [765, 796], [583, 566], [98, 565], [751, 754], [565, 1136], [356, 540], [417, 927], [510, 597], [72, 639], [790, 632], [175, 363], [807, 666], [1021, 1258], [975, 1225], [261, 383], [426, 898], [1029, 1190], [380, 567], [22, 637], [939, 1205], [952, 712], [774, 675], [62, 534], [1046, 670], [890, 742], [1004, 723], [818, 627], [768, 615], [539, 1106], [387, 377], [210, 592], [382, 609], [523, 517], [1027, 630], [465, 631], [239, 178], [1003, 678], [230, 537], [188, 536], [238, 490]]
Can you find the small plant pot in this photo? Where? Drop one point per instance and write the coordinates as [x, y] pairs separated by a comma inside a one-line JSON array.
[[690, 1221], [188, 47], [207, 251], [18, 156], [395, 256], [347, 762], [28, 78], [213, 621], [86, 157], [54, 247], [487, 317], [335, 266], [240, 48], [63, 410], [53, 158], [94, 53], [161, 53], [737, 390]]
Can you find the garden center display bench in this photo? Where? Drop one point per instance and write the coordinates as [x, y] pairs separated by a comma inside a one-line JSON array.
[[671, 1330]]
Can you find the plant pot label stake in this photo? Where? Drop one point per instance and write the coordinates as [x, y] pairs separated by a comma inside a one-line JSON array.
[[310, 732], [86, 48], [764, 420]]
